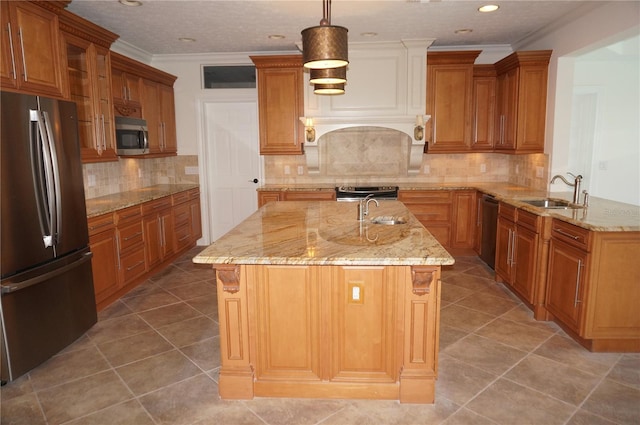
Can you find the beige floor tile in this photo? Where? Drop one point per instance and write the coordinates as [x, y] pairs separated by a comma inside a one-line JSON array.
[[452, 293], [627, 371], [563, 382], [190, 331], [145, 288], [82, 397], [390, 412], [117, 309], [176, 278], [616, 402], [582, 417], [169, 314], [467, 417], [16, 388], [522, 337], [349, 415], [521, 314], [234, 414], [127, 413], [149, 301], [485, 354], [193, 290], [147, 344], [459, 381], [21, 410], [294, 411], [488, 303], [119, 327], [156, 372], [207, 304], [205, 354], [67, 367], [186, 402], [463, 318], [508, 403], [449, 335], [467, 281]]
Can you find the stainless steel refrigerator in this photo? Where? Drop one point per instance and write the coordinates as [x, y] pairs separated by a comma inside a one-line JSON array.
[[47, 298]]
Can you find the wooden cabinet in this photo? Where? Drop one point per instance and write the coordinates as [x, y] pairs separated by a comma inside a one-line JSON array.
[[521, 101], [159, 111], [125, 87], [130, 244], [592, 286], [295, 195], [105, 261], [31, 56], [280, 104], [328, 331], [88, 66], [521, 255], [449, 100], [182, 220], [196, 216], [449, 215], [158, 228], [483, 108]]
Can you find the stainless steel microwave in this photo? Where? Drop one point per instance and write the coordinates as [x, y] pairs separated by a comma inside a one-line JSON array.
[[132, 136]]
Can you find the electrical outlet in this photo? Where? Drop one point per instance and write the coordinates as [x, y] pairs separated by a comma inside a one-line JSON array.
[[483, 168], [427, 169], [539, 172], [287, 169], [517, 168], [300, 170], [139, 173], [191, 170]]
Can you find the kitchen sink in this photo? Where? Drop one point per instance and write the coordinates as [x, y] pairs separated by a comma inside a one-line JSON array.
[[557, 204], [388, 220]]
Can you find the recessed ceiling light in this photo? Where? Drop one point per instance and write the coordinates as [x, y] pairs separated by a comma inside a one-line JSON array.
[[369, 34], [276, 37], [133, 3], [187, 39], [488, 8], [464, 31]]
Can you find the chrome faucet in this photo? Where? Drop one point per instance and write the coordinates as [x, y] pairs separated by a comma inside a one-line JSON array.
[[363, 206], [577, 180]]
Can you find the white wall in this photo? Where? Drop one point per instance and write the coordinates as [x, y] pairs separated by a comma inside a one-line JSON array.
[[596, 27]]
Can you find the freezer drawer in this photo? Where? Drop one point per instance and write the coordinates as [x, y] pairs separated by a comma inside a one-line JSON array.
[[43, 311]]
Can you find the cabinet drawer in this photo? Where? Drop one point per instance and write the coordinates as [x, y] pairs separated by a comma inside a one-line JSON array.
[[507, 211], [179, 198], [156, 205], [431, 213], [424, 196], [133, 265], [529, 220], [183, 236], [130, 236], [194, 194], [573, 235], [181, 215], [101, 223], [309, 196], [128, 214]]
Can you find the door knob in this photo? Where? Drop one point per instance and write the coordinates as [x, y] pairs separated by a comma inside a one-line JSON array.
[[253, 181]]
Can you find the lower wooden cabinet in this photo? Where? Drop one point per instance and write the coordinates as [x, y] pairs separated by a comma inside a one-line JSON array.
[[131, 244], [592, 286], [295, 195]]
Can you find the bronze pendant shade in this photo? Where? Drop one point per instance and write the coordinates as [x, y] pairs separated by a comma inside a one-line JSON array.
[[328, 75], [325, 46], [328, 88]]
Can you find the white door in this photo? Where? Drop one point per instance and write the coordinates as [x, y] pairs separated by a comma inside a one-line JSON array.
[[232, 163]]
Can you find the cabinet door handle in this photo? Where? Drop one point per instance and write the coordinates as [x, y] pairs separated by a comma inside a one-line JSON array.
[[104, 137], [562, 232], [502, 129], [435, 129], [118, 249], [575, 298], [13, 57], [107, 223], [135, 265], [509, 248], [24, 62], [135, 235]]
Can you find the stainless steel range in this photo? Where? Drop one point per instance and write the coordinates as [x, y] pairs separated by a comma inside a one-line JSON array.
[[356, 193]]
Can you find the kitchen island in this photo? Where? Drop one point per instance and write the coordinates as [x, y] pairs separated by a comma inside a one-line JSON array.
[[314, 303]]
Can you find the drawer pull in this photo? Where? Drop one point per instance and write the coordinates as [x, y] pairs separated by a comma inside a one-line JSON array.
[[135, 235], [575, 298], [184, 237], [108, 223], [562, 232], [135, 265], [129, 215]]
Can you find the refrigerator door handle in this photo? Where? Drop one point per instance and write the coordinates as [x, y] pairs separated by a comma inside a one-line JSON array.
[[17, 286], [56, 231], [40, 161]]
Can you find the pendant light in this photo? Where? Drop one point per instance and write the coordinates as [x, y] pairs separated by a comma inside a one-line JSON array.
[[325, 45], [328, 75], [328, 88]]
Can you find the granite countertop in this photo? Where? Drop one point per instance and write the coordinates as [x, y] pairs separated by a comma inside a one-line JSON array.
[[117, 201], [326, 233], [602, 215]]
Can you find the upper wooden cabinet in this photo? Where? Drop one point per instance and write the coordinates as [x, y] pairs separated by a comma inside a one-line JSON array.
[[31, 57], [149, 93], [483, 105], [521, 94], [280, 104], [449, 96], [88, 66]]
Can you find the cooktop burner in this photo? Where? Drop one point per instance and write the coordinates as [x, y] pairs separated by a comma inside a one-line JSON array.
[[355, 193]]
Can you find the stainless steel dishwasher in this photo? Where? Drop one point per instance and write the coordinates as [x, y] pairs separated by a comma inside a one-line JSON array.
[[489, 227]]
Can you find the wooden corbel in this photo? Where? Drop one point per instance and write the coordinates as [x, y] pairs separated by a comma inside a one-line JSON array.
[[229, 275], [421, 278]]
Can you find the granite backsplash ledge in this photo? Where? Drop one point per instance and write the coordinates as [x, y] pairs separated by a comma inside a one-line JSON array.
[[127, 174]]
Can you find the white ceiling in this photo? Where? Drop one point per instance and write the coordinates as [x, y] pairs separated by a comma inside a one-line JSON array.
[[244, 26]]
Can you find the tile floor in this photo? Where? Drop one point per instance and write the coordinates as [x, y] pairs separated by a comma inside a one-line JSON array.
[[152, 359]]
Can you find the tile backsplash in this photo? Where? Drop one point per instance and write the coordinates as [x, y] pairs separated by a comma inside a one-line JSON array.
[[105, 178], [382, 157]]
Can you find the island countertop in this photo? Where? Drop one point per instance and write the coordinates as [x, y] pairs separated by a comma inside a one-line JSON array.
[[326, 233]]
